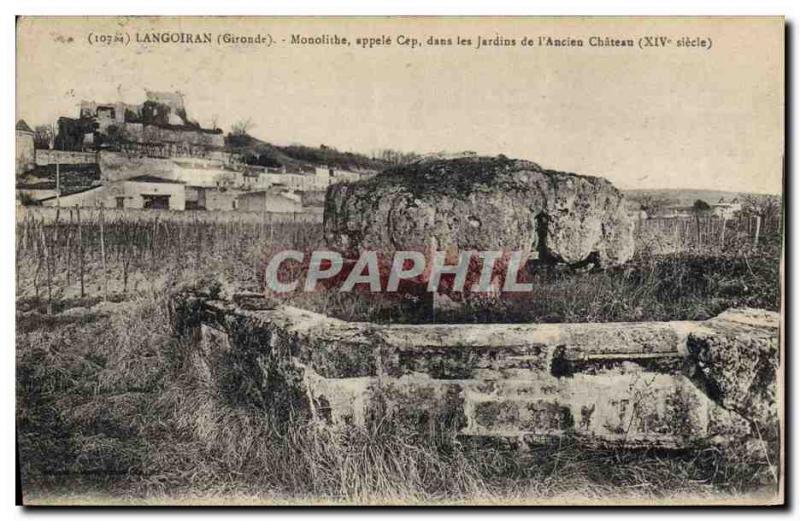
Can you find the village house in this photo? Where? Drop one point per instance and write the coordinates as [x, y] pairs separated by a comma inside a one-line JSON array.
[[670, 212], [726, 209], [141, 192], [337, 175], [25, 154], [268, 201], [151, 192], [310, 180], [211, 198]]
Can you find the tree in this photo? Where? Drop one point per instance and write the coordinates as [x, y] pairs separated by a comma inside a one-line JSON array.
[[242, 127], [394, 157], [114, 136], [701, 206], [651, 204], [44, 136], [765, 206]]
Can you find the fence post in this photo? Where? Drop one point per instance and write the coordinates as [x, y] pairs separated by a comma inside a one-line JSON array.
[[153, 243], [198, 241], [675, 234], [69, 247], [80, 247], [48, 268], [758, 230], [722, 235], [103, 255], [697, 221]]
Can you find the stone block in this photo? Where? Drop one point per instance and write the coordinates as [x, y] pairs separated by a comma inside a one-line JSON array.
[[638, 385]]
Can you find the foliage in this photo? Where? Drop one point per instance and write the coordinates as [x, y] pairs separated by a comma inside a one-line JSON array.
[[263, 159], [242, 127], [395, 157], [331, 157], [652, 204], [44, 137], [765, 206]]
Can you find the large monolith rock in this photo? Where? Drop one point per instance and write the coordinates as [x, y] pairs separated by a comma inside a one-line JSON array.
[[481, 203]]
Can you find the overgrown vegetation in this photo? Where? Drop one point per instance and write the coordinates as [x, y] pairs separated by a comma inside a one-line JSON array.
[[671, 287], [105, 408], [257, 152], [679, 273]]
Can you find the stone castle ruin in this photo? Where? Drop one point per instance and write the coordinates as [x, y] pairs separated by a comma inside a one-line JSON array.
[[159, 126], [109, 153]]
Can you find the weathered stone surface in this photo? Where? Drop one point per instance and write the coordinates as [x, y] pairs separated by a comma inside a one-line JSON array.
[[634, 384], [481, 203], [737, 354]]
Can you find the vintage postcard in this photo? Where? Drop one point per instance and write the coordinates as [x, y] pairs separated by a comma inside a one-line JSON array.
[[400, 260]]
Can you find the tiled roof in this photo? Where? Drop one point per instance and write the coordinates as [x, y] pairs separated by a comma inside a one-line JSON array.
[[22, 126], [153, 179]]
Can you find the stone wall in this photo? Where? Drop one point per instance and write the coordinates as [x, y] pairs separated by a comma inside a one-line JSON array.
[[24, 152], [117, 166], [155, 134], [64, 157], [664, 385]]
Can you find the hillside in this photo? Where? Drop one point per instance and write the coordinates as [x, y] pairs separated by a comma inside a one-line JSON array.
[[258, 152], [681, 196]]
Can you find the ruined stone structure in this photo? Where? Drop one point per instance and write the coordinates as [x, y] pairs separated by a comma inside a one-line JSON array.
[[481, 203], [159, 127], [667, 385], [157, 138]]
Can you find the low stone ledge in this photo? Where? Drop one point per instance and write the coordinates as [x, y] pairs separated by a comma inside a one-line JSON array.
[[643, 384], [737, 357]]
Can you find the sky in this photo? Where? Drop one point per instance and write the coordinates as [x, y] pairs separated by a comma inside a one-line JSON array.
[[643, 118]]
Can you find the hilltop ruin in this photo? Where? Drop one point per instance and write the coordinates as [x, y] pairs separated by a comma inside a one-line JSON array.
[[159, 126]]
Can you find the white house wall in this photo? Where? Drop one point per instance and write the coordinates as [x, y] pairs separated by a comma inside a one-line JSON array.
[[133, 192], [25, 152]]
